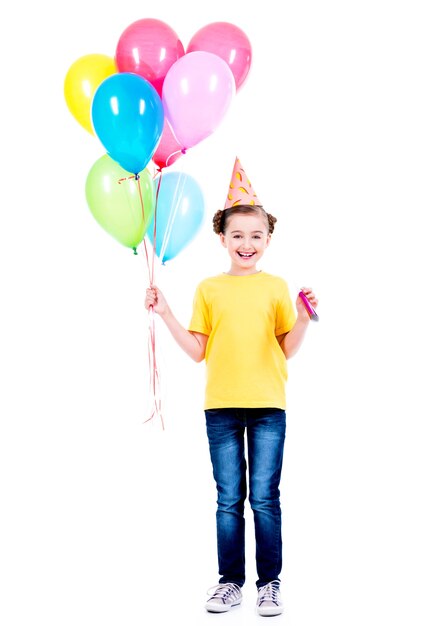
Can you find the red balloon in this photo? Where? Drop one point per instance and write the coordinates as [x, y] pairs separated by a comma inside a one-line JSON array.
[[148, 48], [227, 41], [168, 150]]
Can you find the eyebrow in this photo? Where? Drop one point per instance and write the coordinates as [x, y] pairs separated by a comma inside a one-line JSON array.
[[241, 231]]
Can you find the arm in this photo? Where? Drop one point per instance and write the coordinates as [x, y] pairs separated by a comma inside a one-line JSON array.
[[291, 342], [194, 344]]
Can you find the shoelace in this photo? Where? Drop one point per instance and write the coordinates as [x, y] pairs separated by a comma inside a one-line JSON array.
[[269, 592], [224, 591]]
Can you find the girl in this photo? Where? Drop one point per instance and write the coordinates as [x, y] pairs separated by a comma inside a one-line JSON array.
[[244, 326]]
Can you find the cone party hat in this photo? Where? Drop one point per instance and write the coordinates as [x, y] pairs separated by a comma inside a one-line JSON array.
[[240, 190]]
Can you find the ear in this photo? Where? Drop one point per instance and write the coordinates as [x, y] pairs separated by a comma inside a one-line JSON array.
[[223, 240], [268, 240]]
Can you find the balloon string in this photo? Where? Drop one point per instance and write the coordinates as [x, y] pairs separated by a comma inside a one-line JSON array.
[[139, 189], [182, 150], [127, 178], [155, 218], [154, 375], [172, 215]]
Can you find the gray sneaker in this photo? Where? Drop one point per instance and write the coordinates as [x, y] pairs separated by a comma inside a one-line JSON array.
[[269, 599], [223, 597]]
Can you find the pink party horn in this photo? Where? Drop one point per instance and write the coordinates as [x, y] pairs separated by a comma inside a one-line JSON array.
[[310, 310]]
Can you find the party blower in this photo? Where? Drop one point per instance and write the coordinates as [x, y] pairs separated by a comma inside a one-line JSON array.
[[310, 310]]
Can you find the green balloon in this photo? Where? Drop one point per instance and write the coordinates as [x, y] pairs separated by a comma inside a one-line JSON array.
[[121, 204]]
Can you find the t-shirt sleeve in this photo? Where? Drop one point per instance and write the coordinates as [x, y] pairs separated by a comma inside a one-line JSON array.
[[200, 319], [285, 314]]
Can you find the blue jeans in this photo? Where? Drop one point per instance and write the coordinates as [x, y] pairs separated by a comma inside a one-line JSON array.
[[265, 438]]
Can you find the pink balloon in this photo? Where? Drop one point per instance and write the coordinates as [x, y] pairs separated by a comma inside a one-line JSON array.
[[197, 93], [227, 41], [168, 150], [149, 48]]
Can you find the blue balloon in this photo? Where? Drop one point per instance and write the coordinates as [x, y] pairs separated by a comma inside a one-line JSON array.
[[180, 212], [127, 115]]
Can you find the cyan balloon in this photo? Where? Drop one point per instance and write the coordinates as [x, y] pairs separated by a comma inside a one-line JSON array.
[[127, 115], [180, 212]]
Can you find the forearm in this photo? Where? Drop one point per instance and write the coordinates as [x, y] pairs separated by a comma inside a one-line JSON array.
[[292, 341], [183, 337]]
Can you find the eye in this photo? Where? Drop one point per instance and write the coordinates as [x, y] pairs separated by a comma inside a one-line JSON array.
[[236, 236], [257, 237]]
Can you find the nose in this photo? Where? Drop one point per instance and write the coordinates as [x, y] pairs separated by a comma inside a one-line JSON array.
[[247, 246]]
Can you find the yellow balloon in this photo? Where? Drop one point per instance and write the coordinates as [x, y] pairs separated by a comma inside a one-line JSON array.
[[81, 82]]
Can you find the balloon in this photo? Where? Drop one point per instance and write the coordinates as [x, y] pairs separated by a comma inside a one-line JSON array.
[[168, 150], [149, 48], [229, 42], [180, 212], [113, 197], [128, 118], [197, 93], [81, 82]]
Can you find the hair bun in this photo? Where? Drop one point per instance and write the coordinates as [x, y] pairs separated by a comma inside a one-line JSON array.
[[218, 220]]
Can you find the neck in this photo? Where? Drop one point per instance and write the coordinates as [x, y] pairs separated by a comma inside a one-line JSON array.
[[239, 271]]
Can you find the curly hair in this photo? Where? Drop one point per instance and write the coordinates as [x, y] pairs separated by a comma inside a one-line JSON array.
[[220, 218]]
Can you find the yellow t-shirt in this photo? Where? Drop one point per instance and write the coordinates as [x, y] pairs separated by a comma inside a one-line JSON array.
[[242, 315]]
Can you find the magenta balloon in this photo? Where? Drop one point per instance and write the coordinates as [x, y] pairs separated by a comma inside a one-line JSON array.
[[197, 93], [229, 42], [148, 48]]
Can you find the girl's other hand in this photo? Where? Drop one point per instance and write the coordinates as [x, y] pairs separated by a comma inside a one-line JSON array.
[[154, 298], [302, 311]]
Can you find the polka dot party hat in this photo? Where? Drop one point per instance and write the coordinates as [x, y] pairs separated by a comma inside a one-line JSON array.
[[240, 190]]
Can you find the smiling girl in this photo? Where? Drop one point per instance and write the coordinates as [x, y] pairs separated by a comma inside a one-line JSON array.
[[245, 327]]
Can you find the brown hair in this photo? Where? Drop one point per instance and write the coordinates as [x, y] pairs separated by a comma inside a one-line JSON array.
[[221, 218]]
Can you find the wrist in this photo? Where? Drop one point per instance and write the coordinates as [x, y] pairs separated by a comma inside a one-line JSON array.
[[166, 313], [303, 319]]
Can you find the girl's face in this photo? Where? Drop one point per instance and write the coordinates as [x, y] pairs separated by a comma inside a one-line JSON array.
[[245, 237]]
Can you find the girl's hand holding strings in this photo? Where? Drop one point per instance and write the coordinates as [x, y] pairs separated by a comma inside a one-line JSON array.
[[154, 298]]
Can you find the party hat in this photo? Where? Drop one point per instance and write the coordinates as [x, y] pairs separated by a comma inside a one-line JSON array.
[[240, 190]]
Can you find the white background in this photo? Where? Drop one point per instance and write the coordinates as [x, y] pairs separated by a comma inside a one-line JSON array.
[[107, 520]]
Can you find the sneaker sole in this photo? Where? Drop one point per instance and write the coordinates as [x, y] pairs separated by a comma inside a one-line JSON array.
[[220, 608], [270, 611]]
